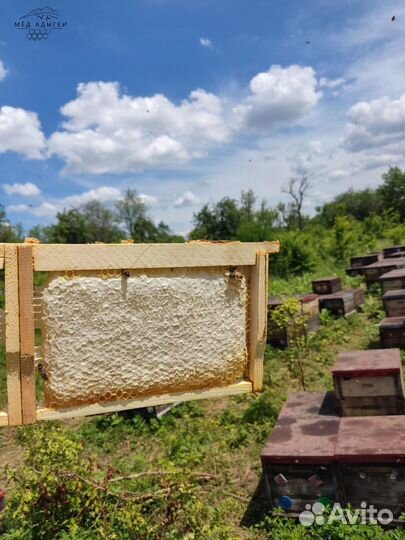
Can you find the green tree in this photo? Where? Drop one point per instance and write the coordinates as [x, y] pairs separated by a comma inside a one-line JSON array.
[[131, 211], [101, 223], [71, 228], [357, 204], [221, 222], [9, 232], [392, 192]]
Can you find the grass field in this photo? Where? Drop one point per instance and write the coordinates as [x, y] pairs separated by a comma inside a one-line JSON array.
[[194, 474]]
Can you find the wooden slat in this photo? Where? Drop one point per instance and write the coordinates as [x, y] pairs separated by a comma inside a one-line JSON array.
[[242, 387], [12, 336], [27, 333], [257, 321], [57, 257], [2, 325], [3, 419]]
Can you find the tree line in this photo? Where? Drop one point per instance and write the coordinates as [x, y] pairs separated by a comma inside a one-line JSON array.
[[353, 222]]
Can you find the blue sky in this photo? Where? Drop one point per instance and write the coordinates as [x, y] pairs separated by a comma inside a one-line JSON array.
[[190, 101]]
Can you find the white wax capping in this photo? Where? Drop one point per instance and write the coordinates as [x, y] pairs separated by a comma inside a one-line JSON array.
[[163, 332]]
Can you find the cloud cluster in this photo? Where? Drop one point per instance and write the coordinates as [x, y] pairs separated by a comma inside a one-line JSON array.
[[186, 199], [278, 95], [103, 194], [20, 131], [24, 190], [107, 131], [377, 123], [205, 42]]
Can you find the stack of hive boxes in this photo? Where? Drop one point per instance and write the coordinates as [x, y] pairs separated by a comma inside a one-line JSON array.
[[345, 447], [336, 300], [281, 337], [327, 294], [375, 265], [392, 328]]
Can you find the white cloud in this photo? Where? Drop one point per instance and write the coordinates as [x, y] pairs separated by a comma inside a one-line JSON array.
[[148, 200], [186, 199], [331, 83], [278, 95], [20, 131], [46, 209], [338, 173], [205, 42], [25, 190], [305, 158], [110, 132], [376, 123], [102, 194], [3, 71]]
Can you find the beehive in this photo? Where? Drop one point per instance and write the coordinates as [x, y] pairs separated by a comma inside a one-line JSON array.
[[394, 303], [395, 279], [298, 458], [327, 285], [392, 332], [369, 383], [281, 337], [355, 272], [393, 251], [364, 260], [374, 271], [370, 453], [342, 302]]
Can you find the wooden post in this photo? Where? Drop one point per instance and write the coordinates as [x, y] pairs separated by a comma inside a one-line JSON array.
[[12, 336], [257, 320], [27, 333]]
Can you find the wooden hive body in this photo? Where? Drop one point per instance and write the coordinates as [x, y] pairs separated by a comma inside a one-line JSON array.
[[282, 337], [364, 260], [298, 458], [393, 280], [393, 250], [374, 271], [327, 285], [394, 303], [370, 452], [342, 302], [369, 383], [392, 332]]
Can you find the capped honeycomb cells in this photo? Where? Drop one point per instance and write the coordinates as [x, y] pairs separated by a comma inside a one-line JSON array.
[[147, 334]]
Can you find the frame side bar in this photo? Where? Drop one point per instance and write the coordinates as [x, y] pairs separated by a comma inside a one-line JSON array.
[[12, 335], [258, 321], [27, 333]]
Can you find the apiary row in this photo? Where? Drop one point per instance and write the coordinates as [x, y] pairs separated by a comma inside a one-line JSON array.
[[346, 446], [388, 270], [381, 268], [327, 294]]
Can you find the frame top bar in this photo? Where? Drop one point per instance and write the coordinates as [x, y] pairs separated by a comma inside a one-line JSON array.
[[60, 257]]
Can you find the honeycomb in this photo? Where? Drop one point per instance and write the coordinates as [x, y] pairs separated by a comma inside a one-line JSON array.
[[137, 334]]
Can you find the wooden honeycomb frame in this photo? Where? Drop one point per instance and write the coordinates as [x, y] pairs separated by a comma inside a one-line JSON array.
[[20, 261]]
